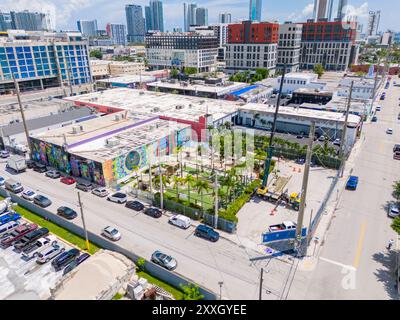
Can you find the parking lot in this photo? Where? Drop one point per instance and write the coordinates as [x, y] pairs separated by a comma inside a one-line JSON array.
[[26, 280]]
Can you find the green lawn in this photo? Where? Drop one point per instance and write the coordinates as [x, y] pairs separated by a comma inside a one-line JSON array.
[[178, 294]]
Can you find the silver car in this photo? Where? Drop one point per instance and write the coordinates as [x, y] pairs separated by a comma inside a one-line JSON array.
[[394, 211], [49, 253], [164, 260], [100, 192], [111, 233]]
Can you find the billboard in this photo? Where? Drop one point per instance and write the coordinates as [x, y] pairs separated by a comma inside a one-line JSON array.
[[269, 237]]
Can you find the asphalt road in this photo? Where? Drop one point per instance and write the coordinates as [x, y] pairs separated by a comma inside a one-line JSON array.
[[354, 263]]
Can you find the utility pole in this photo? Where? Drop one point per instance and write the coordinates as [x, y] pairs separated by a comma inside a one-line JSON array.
[[344, 132], [375, 84], [216, 200], [161, 188], [261, 284], [83, 221], [21, 109], [304, 186]]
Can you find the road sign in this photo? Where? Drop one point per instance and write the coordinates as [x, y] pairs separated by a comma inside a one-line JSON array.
[[281, 235]]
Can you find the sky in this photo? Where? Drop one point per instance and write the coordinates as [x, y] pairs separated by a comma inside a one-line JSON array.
[[65, 13]]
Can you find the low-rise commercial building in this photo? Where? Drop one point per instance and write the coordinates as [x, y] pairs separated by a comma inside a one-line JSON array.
[[298, 80], [128, 81], [304, 95]]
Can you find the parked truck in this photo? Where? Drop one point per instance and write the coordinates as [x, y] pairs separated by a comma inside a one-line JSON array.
[[34, 248], [16, 163], [286, 225]]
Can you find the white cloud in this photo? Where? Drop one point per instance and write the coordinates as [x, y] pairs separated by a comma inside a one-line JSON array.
[[308, 10], [306, 13]]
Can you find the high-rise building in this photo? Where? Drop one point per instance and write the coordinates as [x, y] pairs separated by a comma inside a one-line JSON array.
[[189, 15], [154, 16], [255, 8], [341, 9], [202, 16], [331, 44], [29, 21], [225, 18], [289, 46], [180, 50], [252, 45], [135, 23], [88, 28], [5, 21], [117, 33], [323, 10], [45, 60], [373, 23], [220, 30]]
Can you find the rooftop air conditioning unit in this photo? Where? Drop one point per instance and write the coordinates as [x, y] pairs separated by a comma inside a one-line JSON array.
[[117, 117], [156, 109], [112, 142], [179, 107], [76, 130]]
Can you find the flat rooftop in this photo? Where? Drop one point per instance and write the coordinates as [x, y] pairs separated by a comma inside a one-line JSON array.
[[127, 79], [223, 88], [307, 114], [140, 102], [124, 131], [314, 92]]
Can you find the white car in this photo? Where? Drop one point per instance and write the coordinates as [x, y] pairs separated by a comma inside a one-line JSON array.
[[2, 181], [29, 195], [100, 192], [337, 142], [322, 138], [118, 197], [389, 131], [111, 233], [394, 211], [49, 253], [180, 221]]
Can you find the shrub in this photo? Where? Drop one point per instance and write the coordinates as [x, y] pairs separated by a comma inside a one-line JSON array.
[[140, 263]]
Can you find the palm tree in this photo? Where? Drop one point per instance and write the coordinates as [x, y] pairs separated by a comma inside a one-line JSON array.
[[189, 180], [177, 182], [201, 186]]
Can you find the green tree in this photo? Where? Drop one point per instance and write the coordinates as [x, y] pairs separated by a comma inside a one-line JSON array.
[[201, 187], [319, 70], [190, 70], [190, 181], [396, 190], [263, 72], [174, 73], [140, 263], [396, 225], [191, 292], [96, 54]]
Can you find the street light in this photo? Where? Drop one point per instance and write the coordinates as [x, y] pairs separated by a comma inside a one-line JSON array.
[[220, 283]]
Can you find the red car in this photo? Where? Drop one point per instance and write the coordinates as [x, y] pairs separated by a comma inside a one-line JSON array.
[[17, 234], [68, 180]]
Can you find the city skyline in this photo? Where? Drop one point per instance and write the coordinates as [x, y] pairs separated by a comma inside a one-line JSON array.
[[65, 13]]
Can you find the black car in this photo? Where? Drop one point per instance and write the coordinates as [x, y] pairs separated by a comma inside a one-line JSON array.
[[30, 237], [76, 262], [42, 201], [30, 164], [65, 258], [67, 213], [153, 212], [84, 186], [135, 205], [38, 167], [206, 232]]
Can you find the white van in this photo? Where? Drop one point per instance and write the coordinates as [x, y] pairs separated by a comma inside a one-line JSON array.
[[180, 221], [8, 227]]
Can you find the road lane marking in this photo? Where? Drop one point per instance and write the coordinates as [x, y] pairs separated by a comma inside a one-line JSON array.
[[360, 244], [338, 264]]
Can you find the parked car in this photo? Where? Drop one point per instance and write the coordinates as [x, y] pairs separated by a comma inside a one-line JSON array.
[[65, 258], [38, 167], [111, 233], [34, 248], [389, 131], [75, 263], [17, 234], [100, 192], [49, 253], [286, 225], [67, 180], [396, 155], [180, 221], [29, 238], [134, 205], [394, 211], [84, 186], [337, 142], [29, 195], [9, 216], [396, 148], [374, 119], [8, 228], [322, 138], [352, 183], [378, 108], [54, 174], [30, 164], [206, 232], [300, 136], [4, 154], [118, 197], [153, 212], [164, 260], [42, 201], [67, 213], [2, 181], [13, 186]]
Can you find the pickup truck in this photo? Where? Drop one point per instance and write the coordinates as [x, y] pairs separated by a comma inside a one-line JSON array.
[[17, 234], [286, 225], [32, 250], [9, 216]]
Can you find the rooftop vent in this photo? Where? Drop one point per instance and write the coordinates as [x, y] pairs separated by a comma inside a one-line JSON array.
[[112, 142], [77, 129], [179, 107]]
